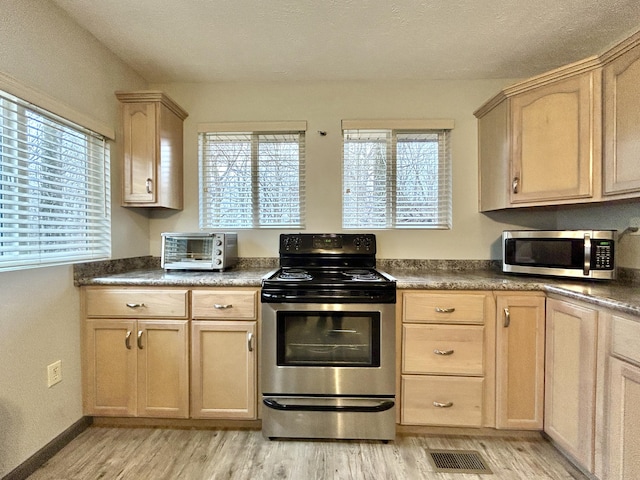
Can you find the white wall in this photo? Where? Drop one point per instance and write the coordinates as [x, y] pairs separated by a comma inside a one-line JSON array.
[[323, 106], [39, 308]]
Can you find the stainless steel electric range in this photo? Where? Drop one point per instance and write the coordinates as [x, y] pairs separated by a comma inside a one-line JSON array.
[[328, 340]]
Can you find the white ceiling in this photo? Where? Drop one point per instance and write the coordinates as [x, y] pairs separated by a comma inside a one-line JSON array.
[[322, 40]]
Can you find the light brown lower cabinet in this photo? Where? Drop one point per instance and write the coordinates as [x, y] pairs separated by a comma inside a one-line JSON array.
[[623, 415], [442, 400], [520, 342], [136, 368], [446, 365], [570, 379], [223, 369]]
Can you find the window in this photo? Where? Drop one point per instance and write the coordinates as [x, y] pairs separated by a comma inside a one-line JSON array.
[[252, 179], [54, 189], [396, 178]]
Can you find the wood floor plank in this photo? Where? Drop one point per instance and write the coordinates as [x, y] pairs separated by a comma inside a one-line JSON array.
[[174, 454]]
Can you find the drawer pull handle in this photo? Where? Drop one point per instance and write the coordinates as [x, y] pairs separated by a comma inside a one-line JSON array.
[[140, 340], [443, 405], [445, 310], [507, 317], [250, 342], [149, 184], [220, 306], [127, 340], [443, 352], [135, 305]]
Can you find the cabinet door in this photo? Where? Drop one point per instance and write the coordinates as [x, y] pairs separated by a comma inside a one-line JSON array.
[[493, 161], [110, 368], [140, 152], [520, 361], [223, 366], [623, 421], [552, 141], [163, 368], [621, 148], [570, 380]]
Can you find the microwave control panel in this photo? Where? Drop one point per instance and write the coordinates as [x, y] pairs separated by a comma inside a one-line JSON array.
[[603, 258]]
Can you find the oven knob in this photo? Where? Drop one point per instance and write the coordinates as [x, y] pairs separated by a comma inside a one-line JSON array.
[[218, 243], [218, 261], [218, 252]]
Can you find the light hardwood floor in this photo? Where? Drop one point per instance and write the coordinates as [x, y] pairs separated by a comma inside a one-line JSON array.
[[163, 454]]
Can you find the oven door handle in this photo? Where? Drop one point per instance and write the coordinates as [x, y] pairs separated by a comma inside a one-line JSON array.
[[291, 407]]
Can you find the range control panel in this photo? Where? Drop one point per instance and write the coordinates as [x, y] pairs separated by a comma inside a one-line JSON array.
[[328, 243]]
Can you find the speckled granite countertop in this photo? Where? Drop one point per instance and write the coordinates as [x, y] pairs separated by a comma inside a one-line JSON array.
[[147, 272]]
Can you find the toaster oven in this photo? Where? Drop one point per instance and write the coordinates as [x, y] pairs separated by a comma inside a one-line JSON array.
[[199, 251]]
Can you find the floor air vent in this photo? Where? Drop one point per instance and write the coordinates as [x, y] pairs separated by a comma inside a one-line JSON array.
[[458, 461]]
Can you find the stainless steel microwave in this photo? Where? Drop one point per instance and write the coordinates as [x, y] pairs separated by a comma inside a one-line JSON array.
[[199, 251], [563, 253]]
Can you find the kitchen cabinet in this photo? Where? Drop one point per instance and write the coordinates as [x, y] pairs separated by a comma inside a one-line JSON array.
[[447, 373], [621, 399], [553, 143], [570, 378], [621, 125], [224, 353], [137, 368], [520, 343], [152, 150], [136, 352], [539, 140]]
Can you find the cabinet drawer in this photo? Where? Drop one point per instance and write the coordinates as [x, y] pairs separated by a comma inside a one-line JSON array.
[[237, 304], [625, 338], [442, 349], [450, 401], [444, 308], [136, 302]]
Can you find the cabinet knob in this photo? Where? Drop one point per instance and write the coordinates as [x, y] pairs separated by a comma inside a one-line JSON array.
[[443, 405]]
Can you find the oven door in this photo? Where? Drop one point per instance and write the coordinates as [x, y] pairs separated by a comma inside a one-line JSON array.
[[328, 349]]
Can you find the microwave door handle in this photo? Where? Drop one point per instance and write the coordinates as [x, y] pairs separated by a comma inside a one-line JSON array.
[[587, 255]]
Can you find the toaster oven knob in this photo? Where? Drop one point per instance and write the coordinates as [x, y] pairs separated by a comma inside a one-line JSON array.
[[218, 252], [218, 242], [218, 261]]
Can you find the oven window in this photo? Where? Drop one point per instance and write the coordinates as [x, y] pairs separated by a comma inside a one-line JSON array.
[[310, 338]]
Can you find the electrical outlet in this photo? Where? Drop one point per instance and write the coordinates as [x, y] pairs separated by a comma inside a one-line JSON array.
[[54, 373]]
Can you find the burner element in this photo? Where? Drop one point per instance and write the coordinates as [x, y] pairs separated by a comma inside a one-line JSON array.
[[362, 275], [294, 274]]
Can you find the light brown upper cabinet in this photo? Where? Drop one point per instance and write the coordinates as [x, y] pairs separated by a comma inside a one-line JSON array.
[[621, 127], [571, 135], [152, 150], [538, 140]]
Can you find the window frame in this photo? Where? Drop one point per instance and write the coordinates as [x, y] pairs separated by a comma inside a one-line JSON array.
[[51, 166], [393, 128], [253, 131]]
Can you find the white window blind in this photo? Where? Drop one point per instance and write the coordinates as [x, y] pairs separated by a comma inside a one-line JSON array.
[[252, 179], [54, 189], [396, 179]]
